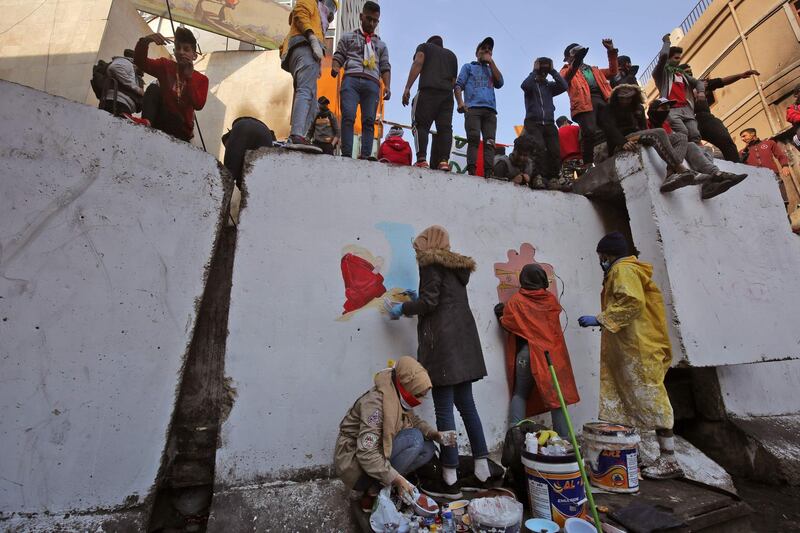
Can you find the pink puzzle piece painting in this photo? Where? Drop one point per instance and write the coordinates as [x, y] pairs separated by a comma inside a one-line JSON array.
[[508, 273]]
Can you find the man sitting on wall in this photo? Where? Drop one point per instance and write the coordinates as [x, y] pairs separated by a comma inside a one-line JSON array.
[[169, 106], [519, 166]]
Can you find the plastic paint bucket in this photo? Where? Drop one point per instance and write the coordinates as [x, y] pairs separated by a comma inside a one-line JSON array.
[[612, 453], [555, 487], [576, 525]]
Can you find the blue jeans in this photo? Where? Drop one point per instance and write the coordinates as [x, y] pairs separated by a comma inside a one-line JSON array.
[[461, 396], [410, 451], [523, 385], [358, 91], [305, 70]]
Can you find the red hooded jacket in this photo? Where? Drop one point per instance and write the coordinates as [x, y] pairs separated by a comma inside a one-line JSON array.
[[395, 150], [793, 114]]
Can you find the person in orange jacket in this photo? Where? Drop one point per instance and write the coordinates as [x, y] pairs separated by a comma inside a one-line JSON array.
[[531, 317], [588, 88]]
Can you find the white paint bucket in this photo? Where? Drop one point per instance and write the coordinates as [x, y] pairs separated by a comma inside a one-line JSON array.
[[555, 487], [613, 456]]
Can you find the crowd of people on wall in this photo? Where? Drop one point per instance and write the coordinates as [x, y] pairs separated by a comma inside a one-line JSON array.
[[609, 114]]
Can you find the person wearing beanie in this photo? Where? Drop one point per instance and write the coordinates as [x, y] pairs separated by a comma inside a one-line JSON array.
[[532, 319], [394, 149], [635, 351], [324, 131], [450, 350], [475, 98], [380, 439], [627, 72]]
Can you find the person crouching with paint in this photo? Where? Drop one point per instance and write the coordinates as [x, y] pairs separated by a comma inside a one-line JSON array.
[[531, 318], [380, 439], [635, 352]]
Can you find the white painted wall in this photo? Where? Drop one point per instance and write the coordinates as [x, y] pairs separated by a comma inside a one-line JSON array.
[[298, 370], [105, 232], [728, 266], [761, 389]]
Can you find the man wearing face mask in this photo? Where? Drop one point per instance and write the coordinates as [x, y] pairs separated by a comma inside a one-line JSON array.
[[635, 352], [380, 439]]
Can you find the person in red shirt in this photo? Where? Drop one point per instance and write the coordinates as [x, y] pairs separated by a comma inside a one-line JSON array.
[[569, 139], [169, 106], [758, 153], [793, 116], [394, 148]]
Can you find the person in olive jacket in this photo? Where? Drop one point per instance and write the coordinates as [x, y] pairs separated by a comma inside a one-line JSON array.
[[450, 350]]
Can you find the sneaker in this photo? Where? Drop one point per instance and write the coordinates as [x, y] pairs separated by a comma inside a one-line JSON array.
[[444, 165], [439, 489], [472, 484], [566, 184], [538, 183], [676, 180], [730, 176], [704, 178], [665, 467], [715, 188], [422, 164], [301, 144], [367, 502], [137, 120]]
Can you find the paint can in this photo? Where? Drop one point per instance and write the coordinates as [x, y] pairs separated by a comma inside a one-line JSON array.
[[555, 487], [613, 455]]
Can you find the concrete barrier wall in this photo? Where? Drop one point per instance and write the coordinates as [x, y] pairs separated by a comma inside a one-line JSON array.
[[106, 230], [728, 265], [298, 365]]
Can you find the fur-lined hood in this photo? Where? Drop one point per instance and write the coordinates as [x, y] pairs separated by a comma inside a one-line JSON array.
[[638, 98], [447, 259]]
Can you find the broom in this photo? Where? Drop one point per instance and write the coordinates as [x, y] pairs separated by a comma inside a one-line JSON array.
[[575, 446]]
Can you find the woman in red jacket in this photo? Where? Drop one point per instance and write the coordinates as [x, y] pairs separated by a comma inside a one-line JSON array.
[[394, 149]]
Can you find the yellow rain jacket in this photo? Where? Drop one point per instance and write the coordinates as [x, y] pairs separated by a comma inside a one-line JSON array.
[[635, 351]]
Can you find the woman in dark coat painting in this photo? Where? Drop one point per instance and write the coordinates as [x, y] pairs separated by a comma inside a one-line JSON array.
[[450, 350]]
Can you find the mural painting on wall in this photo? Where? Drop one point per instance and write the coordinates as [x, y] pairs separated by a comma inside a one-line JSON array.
[[367, 276], [508, 273]]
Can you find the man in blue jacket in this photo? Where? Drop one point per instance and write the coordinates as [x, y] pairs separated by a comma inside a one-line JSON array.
[[474, 92], [540, 122]]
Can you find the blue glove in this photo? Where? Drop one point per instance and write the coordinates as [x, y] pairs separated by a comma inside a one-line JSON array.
[[411, 293], [395, 310], [588, 321]]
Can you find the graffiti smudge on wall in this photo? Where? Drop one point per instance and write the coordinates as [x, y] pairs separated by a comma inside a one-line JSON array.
[[508, 273]]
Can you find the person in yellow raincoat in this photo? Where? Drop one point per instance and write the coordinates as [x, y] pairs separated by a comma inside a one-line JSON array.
[[635, 351]]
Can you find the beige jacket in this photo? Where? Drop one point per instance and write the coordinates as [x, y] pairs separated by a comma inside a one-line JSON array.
[[366, 433]]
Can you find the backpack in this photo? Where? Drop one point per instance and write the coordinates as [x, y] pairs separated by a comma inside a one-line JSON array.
[[99, 81], [513, 447]]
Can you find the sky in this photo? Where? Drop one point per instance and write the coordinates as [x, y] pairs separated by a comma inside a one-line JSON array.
[[522, 30]]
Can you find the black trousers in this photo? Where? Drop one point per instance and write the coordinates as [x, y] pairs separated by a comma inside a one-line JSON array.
[[549, 153], [246, 134], [433, 106], [714, 131], [589, 129], [477, 121], [160, 118], [327, 148], [108, 105]]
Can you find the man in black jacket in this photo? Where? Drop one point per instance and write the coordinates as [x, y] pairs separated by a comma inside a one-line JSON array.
[[624, 123], [627, 72]]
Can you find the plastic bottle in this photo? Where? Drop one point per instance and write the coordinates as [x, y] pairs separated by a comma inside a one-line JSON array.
[[448, 526]]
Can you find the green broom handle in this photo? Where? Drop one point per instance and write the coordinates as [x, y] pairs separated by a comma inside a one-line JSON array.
[[575, 446]]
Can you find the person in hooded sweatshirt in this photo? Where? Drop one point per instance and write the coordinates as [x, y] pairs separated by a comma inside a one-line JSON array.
[[450, 350], [531, 317], [635, 352], [395, 149], [380, 439]]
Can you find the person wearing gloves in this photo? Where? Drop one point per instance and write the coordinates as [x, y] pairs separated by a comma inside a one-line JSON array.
[[635, 352], [365, 58], [450, 350], [540, 120], [531, 317], [380, 439], [394, 149], [301, 54]]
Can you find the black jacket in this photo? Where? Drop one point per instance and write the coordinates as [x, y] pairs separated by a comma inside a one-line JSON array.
[[449, 345], [618, 122]]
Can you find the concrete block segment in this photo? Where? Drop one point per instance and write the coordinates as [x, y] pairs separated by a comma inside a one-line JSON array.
[[106, 231], [297, 364]]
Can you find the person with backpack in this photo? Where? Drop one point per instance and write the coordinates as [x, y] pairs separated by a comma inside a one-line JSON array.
[[170, 104], [532, 319], [119, 84]]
